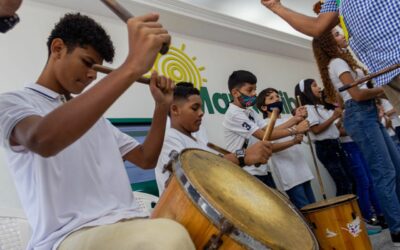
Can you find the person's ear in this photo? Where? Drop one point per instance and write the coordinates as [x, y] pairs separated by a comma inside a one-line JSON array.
[[174, 110], [57, 48], [264, 108], [235, 93]]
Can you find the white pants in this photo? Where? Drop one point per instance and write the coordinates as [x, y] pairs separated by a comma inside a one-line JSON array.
[[141, 234]]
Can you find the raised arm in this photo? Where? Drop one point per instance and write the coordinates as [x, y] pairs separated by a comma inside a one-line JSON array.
[[9, 7], [146, 155], [311, 26]]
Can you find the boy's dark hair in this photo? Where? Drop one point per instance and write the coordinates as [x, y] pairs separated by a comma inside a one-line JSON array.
[[80, 30], [238, 78], [262, 95], [185, 89]]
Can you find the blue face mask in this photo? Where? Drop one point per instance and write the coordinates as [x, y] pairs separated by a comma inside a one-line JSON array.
[[247, 101], [272, 106]]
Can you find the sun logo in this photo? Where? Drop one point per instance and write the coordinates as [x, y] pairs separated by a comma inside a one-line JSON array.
[[178, 66]]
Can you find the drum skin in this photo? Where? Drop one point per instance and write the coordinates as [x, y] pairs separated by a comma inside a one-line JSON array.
[[245, 202], [338, 224]]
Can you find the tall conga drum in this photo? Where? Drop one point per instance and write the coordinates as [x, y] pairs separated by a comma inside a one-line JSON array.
[[337, 223], [224, 207]]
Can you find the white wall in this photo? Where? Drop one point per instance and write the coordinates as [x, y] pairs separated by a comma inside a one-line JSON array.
[[23, 55]]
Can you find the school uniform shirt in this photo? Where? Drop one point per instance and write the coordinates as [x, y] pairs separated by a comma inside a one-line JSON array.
[[239, 125], [201, 134], [85, 184], [289, 165], [174, 140], [389, 130], [374, 32], [317, 115], [386, 108], [339, 66]]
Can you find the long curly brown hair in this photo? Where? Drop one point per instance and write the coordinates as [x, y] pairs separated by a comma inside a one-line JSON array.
[[325, 49]]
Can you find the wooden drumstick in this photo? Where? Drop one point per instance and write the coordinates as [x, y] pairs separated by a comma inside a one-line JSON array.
[[321, 184], [107, 70], [271, 125], [124, 15], [369, 77], [218, 148], [270, 128]]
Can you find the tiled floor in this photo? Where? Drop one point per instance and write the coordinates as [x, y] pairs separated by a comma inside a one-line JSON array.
[[382, 241]]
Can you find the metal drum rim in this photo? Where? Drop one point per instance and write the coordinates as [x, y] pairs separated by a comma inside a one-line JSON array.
[[212, 214], [326, 206]]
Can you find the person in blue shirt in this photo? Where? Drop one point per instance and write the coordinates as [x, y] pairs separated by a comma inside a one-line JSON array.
[[372, 28]]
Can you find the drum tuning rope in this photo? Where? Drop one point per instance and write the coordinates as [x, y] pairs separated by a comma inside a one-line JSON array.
[[321, 184]]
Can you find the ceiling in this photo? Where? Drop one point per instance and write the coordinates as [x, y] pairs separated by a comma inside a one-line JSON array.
[[245, 23], [253, 11], [247, 10]]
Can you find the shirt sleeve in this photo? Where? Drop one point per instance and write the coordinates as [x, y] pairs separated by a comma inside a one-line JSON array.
[[329, 6], [240, 124], [171, 142], [13, 108], [338, 66], [386, 105], [261, 123], [125, 142], [312, 118]]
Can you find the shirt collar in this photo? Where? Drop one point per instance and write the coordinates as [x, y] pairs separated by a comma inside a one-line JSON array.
[[237, 108], [45, 92]]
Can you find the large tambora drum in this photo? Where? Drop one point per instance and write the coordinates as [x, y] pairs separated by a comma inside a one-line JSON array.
[[338, 224], [223, 207]]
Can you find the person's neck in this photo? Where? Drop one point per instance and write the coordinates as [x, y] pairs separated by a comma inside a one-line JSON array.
[[237, 103], [180, 128], [47, 79]]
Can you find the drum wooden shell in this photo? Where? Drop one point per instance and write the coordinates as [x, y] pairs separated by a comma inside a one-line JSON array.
[[251, 207], [338, 224]]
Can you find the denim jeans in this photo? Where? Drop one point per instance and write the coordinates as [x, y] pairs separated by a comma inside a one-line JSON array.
[[334, 160], [367, 199], [301, 195], [362, 124], [267, 180]]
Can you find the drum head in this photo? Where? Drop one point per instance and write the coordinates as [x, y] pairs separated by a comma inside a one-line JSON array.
[[328, 203], [247, 203]]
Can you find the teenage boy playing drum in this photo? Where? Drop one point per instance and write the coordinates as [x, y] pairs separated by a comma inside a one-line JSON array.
[[67, 160], [186, 115]]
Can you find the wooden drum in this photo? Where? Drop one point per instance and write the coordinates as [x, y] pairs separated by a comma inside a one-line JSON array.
[[337, 223], [224, 207]]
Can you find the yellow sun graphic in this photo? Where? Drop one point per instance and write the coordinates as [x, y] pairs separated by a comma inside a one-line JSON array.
[[178, 66]]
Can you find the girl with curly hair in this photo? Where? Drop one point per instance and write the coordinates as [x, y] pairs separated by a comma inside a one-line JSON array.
[[337, 67]]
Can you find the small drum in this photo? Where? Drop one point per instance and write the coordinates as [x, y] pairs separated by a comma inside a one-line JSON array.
[[338, 224], [224, 207]]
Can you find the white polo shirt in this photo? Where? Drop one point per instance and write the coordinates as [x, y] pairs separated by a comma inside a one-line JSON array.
[[290, 166], [317, 115], [337, 67], [388, 107], [85, 184], [239, 125], [174, 140]]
